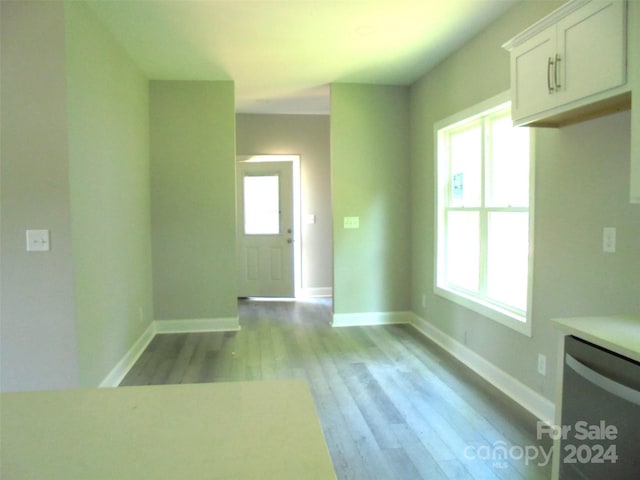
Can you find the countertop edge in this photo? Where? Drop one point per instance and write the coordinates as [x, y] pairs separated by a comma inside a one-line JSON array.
[[618, 333]]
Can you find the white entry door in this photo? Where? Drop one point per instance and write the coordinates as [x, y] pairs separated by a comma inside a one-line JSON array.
[[265, 229]]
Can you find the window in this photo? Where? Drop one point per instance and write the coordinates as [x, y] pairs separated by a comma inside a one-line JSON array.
[[484, 234]]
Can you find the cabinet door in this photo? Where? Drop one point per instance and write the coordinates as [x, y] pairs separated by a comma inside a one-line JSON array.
[[532, 75], [591, 44]]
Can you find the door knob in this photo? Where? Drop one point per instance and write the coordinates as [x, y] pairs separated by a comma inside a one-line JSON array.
[[289, 240]]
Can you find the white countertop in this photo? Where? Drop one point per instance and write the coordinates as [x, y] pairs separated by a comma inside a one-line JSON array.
[[242, 430], [618, 333]]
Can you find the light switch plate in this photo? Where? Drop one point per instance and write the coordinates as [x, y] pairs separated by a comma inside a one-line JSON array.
[[351, 222], [38, 241]]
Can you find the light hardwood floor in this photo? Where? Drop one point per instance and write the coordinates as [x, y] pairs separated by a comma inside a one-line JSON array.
[[392, 404]]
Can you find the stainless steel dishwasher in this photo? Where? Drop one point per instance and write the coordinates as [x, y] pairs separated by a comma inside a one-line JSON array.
[[600, 414]]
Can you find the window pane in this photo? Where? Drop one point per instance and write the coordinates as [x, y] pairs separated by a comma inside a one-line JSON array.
[[463, 249], [507, 164], [507, 258], [465, 167], [261, 205]]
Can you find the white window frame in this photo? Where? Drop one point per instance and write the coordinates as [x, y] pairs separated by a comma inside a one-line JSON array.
[[517, 320]]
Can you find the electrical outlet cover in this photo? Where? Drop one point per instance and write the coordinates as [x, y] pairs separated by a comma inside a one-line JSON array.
[[38, 241], [542, 364]]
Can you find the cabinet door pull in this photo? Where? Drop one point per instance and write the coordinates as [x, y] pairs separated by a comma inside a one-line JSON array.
[[550, 65], [556, 72]]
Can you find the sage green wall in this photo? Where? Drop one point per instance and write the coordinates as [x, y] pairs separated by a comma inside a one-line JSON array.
[[108, 115], [37, 320], [193, 199], [307, 136], [582, 176], [634, 68], [370, 180]]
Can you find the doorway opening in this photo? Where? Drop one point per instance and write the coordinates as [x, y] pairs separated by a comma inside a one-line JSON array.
[[268, 226]]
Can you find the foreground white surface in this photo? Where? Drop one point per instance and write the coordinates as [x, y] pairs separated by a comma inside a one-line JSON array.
[[242, 430]]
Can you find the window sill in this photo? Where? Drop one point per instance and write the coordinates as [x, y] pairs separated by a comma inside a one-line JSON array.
[[509, 319]]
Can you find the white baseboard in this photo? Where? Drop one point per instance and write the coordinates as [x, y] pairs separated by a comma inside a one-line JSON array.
[[121, 369], [224, 324], [370, 318], [538, 405], [315, 292]]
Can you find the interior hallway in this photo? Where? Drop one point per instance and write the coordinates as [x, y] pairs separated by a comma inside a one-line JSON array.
[[391, 403]]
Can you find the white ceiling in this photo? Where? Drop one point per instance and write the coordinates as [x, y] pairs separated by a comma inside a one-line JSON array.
[[283, 54]]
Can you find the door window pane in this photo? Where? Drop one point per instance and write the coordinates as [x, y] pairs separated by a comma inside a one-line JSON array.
[[508, 258], [262, 205], [463, 249]]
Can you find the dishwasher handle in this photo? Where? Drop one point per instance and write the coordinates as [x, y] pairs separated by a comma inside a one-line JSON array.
[[605, 383]]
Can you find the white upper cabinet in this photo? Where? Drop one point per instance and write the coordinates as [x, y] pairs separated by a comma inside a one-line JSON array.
[[532, 71], [571, 64], [592, 54]]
